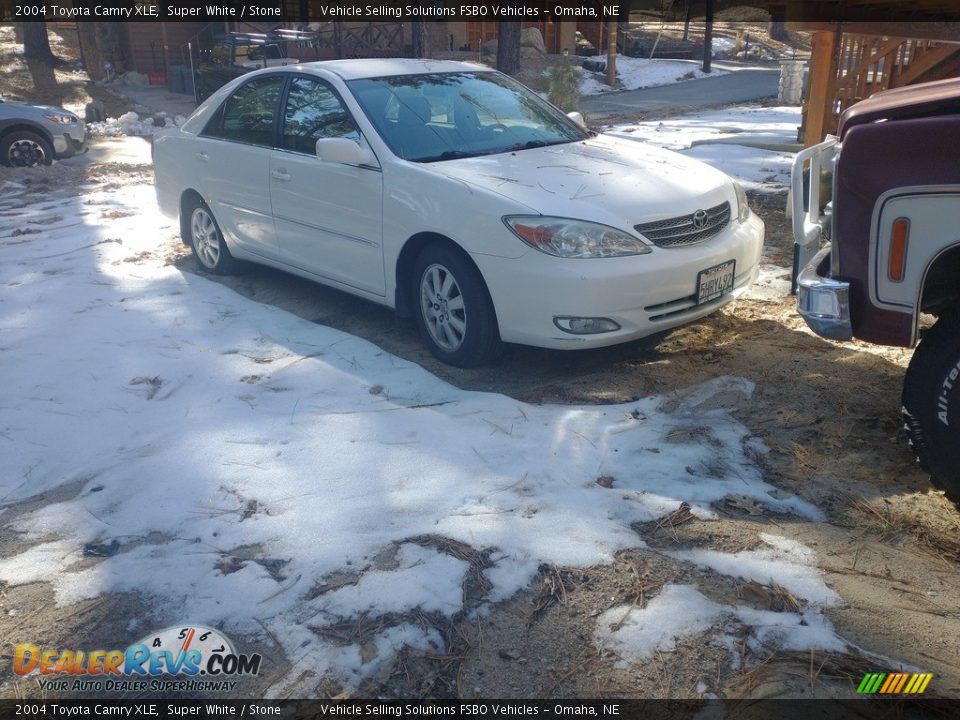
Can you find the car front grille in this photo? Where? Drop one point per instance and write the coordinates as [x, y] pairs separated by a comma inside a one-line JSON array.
[[684, 230]]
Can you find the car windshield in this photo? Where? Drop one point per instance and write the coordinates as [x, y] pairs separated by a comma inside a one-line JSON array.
[[443, 116]]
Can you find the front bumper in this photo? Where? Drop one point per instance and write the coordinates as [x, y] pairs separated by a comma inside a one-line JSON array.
[[70, 143], [642, 294], [824, 302]]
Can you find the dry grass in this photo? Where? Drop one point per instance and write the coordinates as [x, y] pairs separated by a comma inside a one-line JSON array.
[[809, 668], [893, 521]]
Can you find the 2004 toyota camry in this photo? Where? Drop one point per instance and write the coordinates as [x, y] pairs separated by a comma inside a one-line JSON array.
[[452, 193]]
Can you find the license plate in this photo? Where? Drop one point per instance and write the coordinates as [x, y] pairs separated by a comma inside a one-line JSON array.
[[715, 281]]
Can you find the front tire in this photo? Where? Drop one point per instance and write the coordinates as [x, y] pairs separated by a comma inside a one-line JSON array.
[[23, 148], [206, 240], [454, 313], [931, 405]]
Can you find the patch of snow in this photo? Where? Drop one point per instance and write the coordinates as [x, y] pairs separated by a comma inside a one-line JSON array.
[[634, 634], [681, 611], [722, 46], [772, 284], [130, 123], [698, 135], [783, 561], [634, 73], [189, 423], [773, 124]]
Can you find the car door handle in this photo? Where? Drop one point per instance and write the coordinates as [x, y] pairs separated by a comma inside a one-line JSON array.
[[281, 175], [202, 157]]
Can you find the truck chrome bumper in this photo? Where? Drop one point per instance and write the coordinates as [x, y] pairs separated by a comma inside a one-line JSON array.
[[823, 302]]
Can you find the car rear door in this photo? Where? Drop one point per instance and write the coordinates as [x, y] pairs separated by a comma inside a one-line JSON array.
[[328, 216], [232, 164]]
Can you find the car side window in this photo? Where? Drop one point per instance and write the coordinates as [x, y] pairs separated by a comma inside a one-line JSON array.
[[247, 115], [314, 111]]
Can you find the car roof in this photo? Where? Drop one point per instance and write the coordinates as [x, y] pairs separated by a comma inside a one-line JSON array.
[[385, 67]]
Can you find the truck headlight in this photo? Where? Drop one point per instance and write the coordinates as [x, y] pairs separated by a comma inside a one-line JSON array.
[[563, 237]]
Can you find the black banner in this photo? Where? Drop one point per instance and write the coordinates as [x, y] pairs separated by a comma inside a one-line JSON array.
[[47, 709], [294, 11], [318, 10]]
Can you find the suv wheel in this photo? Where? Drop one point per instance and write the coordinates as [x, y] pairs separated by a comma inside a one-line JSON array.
[[453, 310], [23, 148], [931, 405]]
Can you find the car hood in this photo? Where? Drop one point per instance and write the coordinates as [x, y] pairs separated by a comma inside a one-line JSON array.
[[23, 108], [603, 179]]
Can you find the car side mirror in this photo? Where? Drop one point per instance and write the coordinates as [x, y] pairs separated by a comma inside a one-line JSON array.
[[345, 152], [577, 117]]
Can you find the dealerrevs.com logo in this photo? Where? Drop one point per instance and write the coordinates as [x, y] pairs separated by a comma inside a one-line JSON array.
[[201, 658], [897, 683]]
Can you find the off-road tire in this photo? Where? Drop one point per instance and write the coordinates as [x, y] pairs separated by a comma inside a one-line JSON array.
[[931, 405], [473, 335], [206, 239]]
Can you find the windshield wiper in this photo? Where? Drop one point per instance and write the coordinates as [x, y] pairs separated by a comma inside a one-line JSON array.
[[447, 155], [539, 143]]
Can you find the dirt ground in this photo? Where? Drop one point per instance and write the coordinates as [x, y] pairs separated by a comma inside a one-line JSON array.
[[66, 85], [828, 412]]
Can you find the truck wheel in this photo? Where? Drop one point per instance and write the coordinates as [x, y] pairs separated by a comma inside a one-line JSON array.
[[931, 405]]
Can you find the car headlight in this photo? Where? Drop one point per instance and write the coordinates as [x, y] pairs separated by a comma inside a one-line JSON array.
[[61, 119], [563, 237], [743, 210]]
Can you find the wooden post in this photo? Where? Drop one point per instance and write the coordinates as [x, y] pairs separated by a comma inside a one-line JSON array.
[[612, 54], [708, 38], [820, 87]]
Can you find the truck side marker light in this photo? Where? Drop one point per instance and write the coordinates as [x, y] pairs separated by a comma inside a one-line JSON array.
[[899, 237]]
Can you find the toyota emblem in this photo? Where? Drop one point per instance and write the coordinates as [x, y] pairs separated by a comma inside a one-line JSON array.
[[700, 219]]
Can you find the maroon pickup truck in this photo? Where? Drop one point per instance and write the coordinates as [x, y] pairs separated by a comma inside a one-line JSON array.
[[892, 174]]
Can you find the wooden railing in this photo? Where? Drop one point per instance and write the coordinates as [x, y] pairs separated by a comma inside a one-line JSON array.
[[846, 68], [868, 64], [356, 41]]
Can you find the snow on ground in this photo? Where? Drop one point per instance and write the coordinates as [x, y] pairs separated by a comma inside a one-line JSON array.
[[681, 611], [773, 283], [711, 137], [130, 123], [635, 73], [233, 456]]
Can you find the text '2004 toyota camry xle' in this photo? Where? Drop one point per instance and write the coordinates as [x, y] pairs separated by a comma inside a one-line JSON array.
[[452, 193]]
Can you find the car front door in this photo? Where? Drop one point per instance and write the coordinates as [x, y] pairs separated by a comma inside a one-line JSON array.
[[232, 162], [328, 215]]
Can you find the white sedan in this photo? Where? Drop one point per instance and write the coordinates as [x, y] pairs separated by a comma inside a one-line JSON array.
[[452, 193]]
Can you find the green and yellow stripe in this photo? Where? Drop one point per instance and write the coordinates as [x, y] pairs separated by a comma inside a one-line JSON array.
[[894, 683]]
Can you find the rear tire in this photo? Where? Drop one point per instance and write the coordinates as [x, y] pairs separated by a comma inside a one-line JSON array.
[[206, 239], [454, 313], [931, 405]]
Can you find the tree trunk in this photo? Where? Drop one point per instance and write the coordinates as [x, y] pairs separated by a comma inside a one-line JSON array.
[[708, 38], [91, 50], [686, 20], [421, 39], [778, 30], [36, 46], [508, 47]]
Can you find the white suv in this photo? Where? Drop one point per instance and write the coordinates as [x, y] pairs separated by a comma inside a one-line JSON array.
[[32, 135]]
